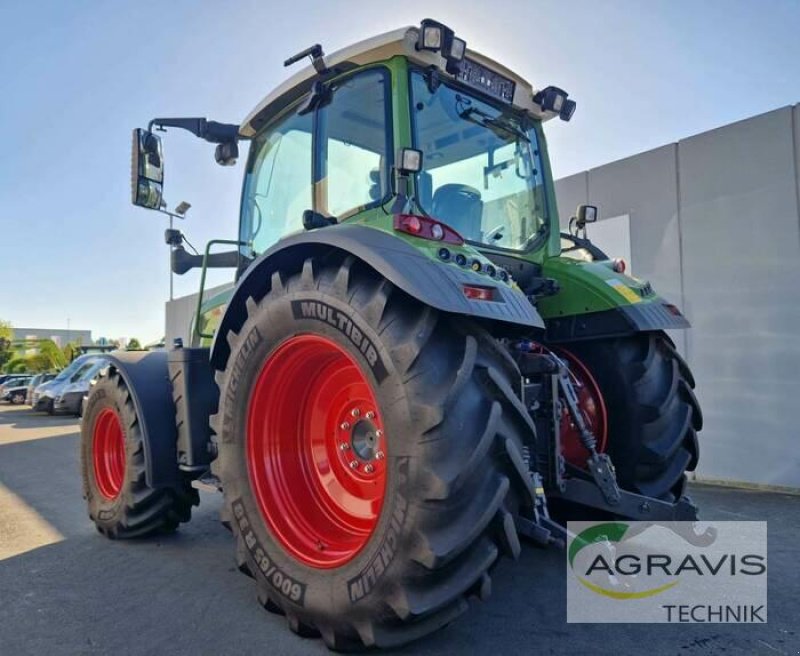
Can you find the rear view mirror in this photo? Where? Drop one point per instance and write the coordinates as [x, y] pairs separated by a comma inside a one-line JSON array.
[[586, 214], [147, 169]]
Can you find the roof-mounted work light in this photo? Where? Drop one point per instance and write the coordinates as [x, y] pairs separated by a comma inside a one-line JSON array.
[[430, 35], [436, 37], [553, 99]]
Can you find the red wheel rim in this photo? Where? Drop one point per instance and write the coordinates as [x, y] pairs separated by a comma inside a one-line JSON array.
[[108, 453], [593, 408], [316, 451]]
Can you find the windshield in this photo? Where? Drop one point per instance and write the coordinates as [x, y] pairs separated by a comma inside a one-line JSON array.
[[71, 368], [482, 167]]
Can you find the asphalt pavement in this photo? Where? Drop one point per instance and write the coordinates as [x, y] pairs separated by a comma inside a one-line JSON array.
[[64, 589]]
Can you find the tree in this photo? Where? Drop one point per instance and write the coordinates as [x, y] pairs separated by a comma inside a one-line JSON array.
[[37, 363], [71, 351], [134, 344], [54, 356], [6, 337], [16, 366]]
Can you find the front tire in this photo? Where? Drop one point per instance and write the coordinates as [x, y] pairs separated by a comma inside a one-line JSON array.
[[120, 502], [434, 513]]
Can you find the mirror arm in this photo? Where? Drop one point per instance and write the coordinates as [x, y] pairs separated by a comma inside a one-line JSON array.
[[182, 262], [211, 131]]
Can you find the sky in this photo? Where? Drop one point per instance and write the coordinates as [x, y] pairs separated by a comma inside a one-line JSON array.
[[77, 76]]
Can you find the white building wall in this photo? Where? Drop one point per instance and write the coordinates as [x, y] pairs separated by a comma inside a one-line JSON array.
[[715, 226]]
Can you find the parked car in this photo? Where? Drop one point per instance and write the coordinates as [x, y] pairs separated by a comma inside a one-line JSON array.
[[14, 393], [37, 380], [44, 395], [16, 380], [70, 398]]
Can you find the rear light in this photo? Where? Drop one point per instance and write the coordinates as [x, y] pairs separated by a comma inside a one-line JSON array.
[[426, 228], [618, 264], [478, 293]]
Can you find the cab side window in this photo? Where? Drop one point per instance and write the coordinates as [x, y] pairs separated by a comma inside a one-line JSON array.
[[279, 187], [354, 145]]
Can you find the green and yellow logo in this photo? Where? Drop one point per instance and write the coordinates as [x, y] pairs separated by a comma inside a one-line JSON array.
[[608, 533]]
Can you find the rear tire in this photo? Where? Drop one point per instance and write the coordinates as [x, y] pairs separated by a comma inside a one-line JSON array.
[[120, 502], [454, 475], [653, 414]]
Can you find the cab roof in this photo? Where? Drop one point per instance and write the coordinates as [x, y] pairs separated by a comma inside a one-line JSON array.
[[380, 48]]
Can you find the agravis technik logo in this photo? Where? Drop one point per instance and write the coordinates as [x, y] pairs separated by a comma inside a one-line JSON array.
[[666, 572]]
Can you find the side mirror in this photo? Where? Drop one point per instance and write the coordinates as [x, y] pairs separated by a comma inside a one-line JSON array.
[[147, 170], [586, 214]]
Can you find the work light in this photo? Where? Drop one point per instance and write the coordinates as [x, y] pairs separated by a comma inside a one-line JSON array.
[[436, 37], [430, 36], [456, 50], [409, 160], [553, 99]]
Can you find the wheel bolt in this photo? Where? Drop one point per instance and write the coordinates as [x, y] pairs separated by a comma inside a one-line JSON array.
[[356, 412], [379, 455], [370, 415], [369, 469], [379, 433], [343, 446], [344, 425], [354, 464]]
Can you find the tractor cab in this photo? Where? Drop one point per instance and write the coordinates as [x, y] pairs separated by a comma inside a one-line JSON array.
[[326, 147]]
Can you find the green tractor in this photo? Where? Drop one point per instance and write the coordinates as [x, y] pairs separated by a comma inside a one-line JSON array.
[[414, 368]]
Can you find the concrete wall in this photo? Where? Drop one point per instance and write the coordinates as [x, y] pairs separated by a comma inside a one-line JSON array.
[[715, 226]]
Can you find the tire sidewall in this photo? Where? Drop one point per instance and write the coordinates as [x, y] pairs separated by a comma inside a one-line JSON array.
[[352, 586]]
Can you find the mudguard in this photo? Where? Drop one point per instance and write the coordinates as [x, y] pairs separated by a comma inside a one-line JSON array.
[[437, 284], [147, 377], [595, 302]]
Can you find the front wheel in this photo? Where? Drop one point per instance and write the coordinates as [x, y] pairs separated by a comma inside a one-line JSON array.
[[120, 502], [370, 454]]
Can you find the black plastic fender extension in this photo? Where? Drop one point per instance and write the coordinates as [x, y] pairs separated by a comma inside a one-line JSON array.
[[174, 394], [617, 322], [437, 284], [146, 376]]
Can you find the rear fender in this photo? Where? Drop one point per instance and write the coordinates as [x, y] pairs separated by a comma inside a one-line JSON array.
[[437, 284], [595, 301]]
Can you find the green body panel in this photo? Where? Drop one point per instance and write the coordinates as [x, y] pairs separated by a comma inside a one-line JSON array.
[[584, 286], [210, 315], [589, 287]]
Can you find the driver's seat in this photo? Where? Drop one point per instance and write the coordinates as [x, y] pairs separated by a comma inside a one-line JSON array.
[[460, 207]]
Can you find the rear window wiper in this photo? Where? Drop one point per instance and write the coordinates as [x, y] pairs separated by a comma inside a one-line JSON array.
[[475, 115]]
